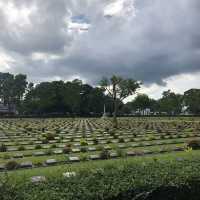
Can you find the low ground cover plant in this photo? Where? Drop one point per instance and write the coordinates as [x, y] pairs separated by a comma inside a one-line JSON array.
[[194, 144], [157, 179]]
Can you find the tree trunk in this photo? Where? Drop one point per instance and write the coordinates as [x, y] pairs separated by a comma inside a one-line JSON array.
[[115, 122]]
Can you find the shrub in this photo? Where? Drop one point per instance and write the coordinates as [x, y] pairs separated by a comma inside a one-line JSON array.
[[83, 142], [112, 132], [10, 165], [83, 157], [53, 146], [45, 141], [29, 129], [30, 143], [194, 144], [49, 152], [100, 148], [16, 143], [50, 136], [83, 149], [106, 129], [108, 141], [95, 141], [6, 156], [104, 154], [21, 148], [151, 138], [115, 136], [61, 137], [67, 149], [159, 130], [38, 146], [57, 131], [171, 137], [38, 164], [3, 148], [134, 135], [162, 136], [121, 140], [120, 152]]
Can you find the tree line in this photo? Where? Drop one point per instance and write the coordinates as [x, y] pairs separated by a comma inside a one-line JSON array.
[[80, 99], [170, 103]]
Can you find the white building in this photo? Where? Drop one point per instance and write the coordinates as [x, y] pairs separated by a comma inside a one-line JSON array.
[[4, 109]]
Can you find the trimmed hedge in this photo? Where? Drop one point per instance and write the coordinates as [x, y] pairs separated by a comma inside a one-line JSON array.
[[155, 180], [194, 144]]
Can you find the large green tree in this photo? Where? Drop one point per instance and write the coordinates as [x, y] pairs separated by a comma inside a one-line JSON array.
[[60, 97], [141, 102], [192, 100], [118, 89], [170, 102], [12, 89]]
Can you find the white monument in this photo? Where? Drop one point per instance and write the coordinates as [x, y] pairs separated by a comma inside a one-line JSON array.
[[104, 112]]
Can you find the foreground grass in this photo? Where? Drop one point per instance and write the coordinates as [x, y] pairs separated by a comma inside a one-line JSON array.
[[57, 171], [160, 177]]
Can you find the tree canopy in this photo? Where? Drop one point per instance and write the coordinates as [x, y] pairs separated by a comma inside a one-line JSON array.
[[118, 89], [81, 99]]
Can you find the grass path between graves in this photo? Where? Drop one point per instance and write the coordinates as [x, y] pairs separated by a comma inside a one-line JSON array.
[[57, 171], [63, 157]]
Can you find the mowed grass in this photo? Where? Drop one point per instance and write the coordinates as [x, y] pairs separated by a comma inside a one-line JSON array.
[[57, 171], [133, 135]]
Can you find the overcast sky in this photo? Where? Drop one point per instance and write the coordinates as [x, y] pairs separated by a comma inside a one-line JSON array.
[[155, 41]]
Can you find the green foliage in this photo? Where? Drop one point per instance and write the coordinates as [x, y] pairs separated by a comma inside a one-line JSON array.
[[104, 154], [120, 152], [10, 165], [118, 89], [38, 146], [6, 156], [64, 97], [83, 149], [141, 102], [50, 136], [144, 181], [48, 152], [194, 144], [83, 157], [12, 89], [3, 148], [192, 99], [121, 140], [95, 140], [83, 142], [21, 148], [170, 102], [53, 146], [45, 141], [67, 149]]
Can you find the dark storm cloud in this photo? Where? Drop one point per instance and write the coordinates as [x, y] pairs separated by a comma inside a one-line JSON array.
[[45, 33], [162, 39]]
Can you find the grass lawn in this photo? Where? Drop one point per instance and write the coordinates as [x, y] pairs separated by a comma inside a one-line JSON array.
[[57, 171]]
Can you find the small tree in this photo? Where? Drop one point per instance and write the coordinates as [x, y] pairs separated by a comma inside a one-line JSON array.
[[119, 89]]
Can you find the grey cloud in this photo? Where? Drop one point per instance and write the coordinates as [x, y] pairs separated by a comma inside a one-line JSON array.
[[45, 33], [161, 41]]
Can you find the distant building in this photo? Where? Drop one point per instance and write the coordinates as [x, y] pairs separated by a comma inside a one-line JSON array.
[[184, 110], [6, 110], [146, 111]]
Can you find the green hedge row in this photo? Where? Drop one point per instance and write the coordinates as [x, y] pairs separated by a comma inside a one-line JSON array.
[[155, 180]]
